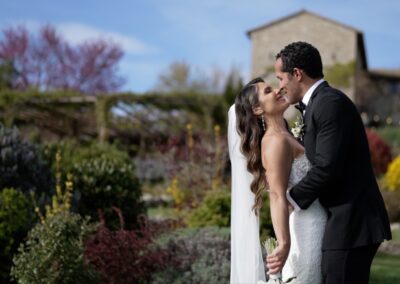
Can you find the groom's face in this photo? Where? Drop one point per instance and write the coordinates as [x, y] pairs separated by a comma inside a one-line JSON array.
[[288, 83]]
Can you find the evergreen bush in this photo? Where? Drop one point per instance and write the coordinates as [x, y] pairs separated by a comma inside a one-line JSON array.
[[54, 252], [200, 255], [21, 164], [16, 217]]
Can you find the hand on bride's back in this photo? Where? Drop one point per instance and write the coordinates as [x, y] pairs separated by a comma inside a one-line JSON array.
[[277, 259]]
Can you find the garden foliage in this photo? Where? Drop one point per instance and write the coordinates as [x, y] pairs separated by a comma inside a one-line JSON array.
[[380, 152], [16, 217], [54, 252]]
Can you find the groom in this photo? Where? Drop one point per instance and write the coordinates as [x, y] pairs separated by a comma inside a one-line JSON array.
[[341, 176]]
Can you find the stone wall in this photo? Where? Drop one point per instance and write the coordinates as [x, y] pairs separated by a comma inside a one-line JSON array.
[[336, 43]]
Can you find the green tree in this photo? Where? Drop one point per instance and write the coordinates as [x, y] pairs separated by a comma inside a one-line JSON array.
[[7, 73], [181, 77], [340, 74], [233, 85]]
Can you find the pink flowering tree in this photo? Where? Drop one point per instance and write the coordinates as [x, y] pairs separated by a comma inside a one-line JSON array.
[[47, 62]]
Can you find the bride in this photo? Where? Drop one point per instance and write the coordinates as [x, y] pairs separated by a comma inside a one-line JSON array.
[[265, 156]]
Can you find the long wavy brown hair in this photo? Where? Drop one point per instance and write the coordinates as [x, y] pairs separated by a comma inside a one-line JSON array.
[[251, 131]]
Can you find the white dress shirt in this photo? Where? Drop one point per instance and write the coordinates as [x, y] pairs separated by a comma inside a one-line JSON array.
[[310, 91]]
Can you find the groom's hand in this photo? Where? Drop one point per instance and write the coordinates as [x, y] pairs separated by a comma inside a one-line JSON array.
[[277, 259]]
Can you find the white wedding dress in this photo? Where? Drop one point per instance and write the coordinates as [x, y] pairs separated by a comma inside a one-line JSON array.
[[306, 232], [306, 226]]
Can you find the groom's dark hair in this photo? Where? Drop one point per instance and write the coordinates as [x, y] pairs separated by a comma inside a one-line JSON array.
[[301, 55]]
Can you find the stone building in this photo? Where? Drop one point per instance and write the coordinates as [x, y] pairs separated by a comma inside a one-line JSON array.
[[375, 92]]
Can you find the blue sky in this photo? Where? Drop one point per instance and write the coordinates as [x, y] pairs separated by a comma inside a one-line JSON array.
[[205, 33]]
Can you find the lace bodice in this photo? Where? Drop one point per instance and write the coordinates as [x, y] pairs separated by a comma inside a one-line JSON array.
[[300, 166]]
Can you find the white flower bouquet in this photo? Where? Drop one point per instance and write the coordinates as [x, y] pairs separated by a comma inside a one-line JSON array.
[[270, 244]]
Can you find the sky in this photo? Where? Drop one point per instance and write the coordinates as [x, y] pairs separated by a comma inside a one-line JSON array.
[[206, 34]]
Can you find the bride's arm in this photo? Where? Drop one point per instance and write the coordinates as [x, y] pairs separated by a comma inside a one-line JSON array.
[[277, 161]]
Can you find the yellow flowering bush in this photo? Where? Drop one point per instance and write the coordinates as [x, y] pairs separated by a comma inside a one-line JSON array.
[[54, 249], [176, 192], [392, 177], [61, 201]]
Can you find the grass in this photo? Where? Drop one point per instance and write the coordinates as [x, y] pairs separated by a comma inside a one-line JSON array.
[[162, 211], [396, 235], [385, 269]]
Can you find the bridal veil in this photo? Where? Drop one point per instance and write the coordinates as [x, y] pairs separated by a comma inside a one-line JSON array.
[[246, 257]]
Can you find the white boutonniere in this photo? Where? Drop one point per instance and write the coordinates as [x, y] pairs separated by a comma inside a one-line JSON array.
[[298, 129]]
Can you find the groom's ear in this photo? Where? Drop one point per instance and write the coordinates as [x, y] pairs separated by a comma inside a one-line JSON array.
[[297, 74]]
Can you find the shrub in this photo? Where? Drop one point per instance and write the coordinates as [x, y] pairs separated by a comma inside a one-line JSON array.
[[21, 165], [125, 256], [391, 134], [104, 183], [53, 252], [15, 221], [103, 177], [200, 255], [73, 153], [392, 177], [380, 152], [214, 211]]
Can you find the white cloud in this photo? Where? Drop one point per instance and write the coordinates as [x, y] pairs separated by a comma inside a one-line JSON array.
[[76, 33]]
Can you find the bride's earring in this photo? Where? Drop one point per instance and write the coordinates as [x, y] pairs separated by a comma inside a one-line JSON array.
[[263, 122]]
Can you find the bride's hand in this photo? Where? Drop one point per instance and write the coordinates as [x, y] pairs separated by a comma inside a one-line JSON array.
[[277, 259], [291, 208]]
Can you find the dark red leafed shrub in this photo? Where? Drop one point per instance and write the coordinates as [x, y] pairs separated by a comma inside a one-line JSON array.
[[126, 256], [380, 151]]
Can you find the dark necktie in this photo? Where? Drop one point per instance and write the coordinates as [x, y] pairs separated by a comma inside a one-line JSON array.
[[301, 107]]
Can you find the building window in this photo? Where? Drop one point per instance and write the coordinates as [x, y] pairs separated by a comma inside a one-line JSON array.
[[394, 87]]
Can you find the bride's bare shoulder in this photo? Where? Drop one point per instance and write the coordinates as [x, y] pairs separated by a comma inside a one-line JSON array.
[[275, 141], [276, 146]]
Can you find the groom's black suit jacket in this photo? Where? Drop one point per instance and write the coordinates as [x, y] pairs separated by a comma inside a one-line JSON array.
[[341, 175]]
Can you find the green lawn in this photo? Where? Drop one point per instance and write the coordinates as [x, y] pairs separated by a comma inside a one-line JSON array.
[[161, 211], [385, 269], [396, 235]]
